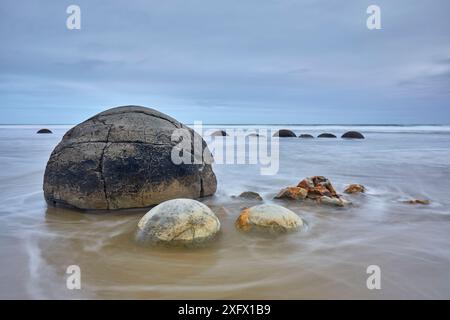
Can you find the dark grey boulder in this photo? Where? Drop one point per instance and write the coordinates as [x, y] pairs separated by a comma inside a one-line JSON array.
[[306, 136], [284, 133], [219, 133], [121, 158], [326, 135], [44, 131], [352, 135]]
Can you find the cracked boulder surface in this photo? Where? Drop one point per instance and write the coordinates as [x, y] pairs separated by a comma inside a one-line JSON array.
[[122, 158], [178, 222]]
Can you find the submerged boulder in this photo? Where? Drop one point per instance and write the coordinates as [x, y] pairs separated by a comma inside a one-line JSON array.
[[284, 133], [44, 130], [268, 217], [250, 195], [178, 222], [306, 136], [122, 158], [417, 201], [326, 135], [352, 135]]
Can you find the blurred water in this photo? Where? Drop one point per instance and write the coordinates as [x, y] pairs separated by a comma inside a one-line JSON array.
[[328, 260]]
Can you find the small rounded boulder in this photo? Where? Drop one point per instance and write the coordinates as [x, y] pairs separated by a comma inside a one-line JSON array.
[[178, 222], [268, 217]]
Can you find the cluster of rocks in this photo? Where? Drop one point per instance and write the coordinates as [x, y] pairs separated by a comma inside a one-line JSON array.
[[285, 133], [317, 188]]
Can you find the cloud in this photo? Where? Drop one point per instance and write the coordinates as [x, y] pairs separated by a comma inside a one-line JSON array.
[[212, 60]]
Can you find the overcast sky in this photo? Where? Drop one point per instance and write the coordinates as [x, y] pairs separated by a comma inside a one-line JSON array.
[[227, 61]]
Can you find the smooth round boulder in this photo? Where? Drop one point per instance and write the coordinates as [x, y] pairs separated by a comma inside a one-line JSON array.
[[178, 222], [326, 135], [44, 130], [123, 158], [219, 133], [268, 217], [306, 136], [284, 133], [352, 135]]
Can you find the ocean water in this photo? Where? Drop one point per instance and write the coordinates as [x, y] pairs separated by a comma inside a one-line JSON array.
[[328, 259]]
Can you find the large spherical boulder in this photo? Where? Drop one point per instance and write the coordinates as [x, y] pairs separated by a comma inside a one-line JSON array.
[[284, 133], [44, 130], [326, 135], [352, 135], [178, 221], [268, 217], [121, 158]]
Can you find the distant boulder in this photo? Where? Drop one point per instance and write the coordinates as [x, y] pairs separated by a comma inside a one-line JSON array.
[[219, 133], [352, 135], [44, 131], [326, 135], [306, 136], [284, 133]]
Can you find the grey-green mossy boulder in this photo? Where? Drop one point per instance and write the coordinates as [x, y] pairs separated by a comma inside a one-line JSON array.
[[268, 217], [178, 222], [121, 158]]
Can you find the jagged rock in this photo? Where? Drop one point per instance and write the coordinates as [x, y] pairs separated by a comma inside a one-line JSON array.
[[352, 135], [284, 133], [320, 189], [121, 158], [292, 193], [268, 217], [251, 195], [178, 222], [355, 188]]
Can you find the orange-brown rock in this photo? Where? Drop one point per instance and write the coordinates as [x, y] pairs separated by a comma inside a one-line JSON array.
[[243, 221], [292, 193], [320, 189], [355, 188], [268, 217], [418, 201], [318, 186]]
